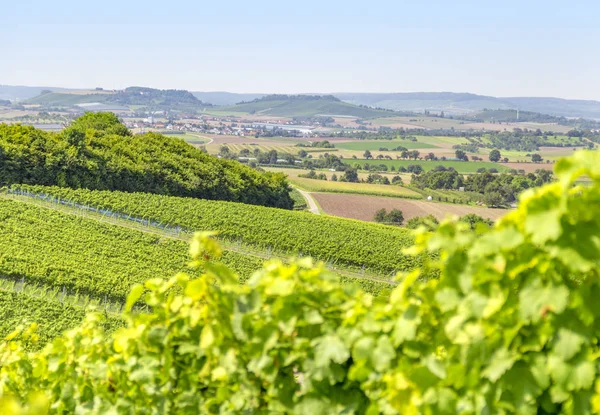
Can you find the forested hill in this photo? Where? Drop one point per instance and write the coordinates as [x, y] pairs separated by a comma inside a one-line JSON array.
[[149, 98], [98, 152]]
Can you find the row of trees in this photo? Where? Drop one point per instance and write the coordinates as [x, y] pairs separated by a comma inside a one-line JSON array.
[[497, 189]]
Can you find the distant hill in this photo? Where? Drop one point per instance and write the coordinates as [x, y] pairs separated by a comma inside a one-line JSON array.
[[20, 93], [450, 102], [304, 106], [464, 103], [98, 152], [157, 99], [225, 98], [66, 99], [558, 106]]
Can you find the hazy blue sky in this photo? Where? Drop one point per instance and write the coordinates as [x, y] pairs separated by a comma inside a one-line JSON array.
[[507, 48]]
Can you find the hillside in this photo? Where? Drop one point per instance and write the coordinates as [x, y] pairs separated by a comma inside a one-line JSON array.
[[346, 243], [98, 152], [303, 105], [59, 99], [58, 261], [464, 103], [16, 93], [225, 98], [149, 98]]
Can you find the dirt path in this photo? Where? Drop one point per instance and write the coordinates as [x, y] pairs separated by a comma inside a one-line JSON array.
[[312, 205]]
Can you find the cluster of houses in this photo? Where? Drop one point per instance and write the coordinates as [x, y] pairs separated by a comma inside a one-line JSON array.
[[220, 126]]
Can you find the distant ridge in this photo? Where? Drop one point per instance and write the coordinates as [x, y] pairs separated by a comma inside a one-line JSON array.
[[465, 103], [451, 103]]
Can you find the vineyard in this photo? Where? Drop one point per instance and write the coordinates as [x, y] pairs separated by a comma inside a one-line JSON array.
[[53, 316], [80, 257], [342, 242], [509, 326]]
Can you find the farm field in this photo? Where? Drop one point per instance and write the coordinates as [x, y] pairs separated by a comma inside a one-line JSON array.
[[529, 167], [364, 207], [314, 185], [377, 144], [433, 123], [459, 166], [192, 138]]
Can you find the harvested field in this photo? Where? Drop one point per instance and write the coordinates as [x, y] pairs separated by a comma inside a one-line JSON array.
[[364, 207], [529, 167]]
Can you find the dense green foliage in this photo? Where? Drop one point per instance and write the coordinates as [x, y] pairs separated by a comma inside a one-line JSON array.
[[510, 326], [505, 186], [393, 217], [98, 152], [343, 242], [157, 98]]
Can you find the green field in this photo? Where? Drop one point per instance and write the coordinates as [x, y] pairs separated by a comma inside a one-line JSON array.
[[459, 166], [436, 140], [189, 138], [327, 186], [377, 144]]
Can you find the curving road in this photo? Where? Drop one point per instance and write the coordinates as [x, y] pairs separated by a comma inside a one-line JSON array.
[[312, 205]]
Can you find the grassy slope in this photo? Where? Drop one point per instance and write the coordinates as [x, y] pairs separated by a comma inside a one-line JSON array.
[[55, 98], [284, 108]]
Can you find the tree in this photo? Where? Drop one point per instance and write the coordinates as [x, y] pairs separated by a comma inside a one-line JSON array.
[[473, 220], [395, 217], [495, 155], [302, 154], [380, 216], [367, 154], [334, 178], [429, 222], [461, 155], [397, 180], [536, 158], [415, 169], [351, 175], [492, 199]]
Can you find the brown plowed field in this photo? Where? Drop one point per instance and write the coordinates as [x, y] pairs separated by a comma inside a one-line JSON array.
[[529, 167], [364, 207]]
